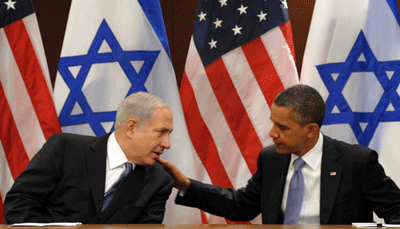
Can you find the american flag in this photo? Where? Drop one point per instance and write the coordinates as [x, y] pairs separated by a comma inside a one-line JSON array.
[[28, 116], [240, 57]]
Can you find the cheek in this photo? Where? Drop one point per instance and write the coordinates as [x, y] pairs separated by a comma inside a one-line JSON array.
[[290, 139], [154, 142], [299, 141]]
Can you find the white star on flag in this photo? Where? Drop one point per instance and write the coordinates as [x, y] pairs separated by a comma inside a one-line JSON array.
[[202, 16], [223, 2], [237, 30], [242, 9], [284, 4], [10, 4], [262, 16], [218, 23], [213, 44]]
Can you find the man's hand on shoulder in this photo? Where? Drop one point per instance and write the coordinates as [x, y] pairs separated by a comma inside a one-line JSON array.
[[181, 181]]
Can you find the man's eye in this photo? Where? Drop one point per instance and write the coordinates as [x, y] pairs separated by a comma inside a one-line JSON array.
[[283, 127]]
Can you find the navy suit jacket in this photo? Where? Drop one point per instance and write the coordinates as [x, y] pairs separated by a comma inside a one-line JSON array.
[[353, 185], [65, 180]]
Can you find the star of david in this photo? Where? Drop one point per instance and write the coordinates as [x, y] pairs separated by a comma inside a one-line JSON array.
[[76, 95], [353, 64]]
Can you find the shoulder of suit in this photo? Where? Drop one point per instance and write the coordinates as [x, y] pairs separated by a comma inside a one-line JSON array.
[[269, 150], [158, 170], [71, 136], [346, 148], [269, 153], [67, 139]]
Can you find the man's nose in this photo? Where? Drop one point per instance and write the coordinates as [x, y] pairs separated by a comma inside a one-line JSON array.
[[273, 133], [166, 143]]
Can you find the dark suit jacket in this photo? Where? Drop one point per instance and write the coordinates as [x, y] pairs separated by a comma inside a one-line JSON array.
[[358, 188], [65, 180]]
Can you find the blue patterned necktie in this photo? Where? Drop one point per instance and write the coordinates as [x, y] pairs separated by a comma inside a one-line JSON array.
[[113, 190], [296, 194]]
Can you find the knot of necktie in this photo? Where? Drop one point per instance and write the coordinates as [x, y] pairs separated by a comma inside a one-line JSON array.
[[299, 164]]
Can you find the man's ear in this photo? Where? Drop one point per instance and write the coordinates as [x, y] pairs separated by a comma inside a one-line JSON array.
[[131, 126], [313, 130]]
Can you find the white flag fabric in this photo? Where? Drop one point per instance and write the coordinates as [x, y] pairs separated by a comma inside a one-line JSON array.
[[240, 57], [112, 49], [28, 117], [352, 58]]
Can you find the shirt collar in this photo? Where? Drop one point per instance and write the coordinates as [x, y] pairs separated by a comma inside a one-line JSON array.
[[312, 157], [115, 154]]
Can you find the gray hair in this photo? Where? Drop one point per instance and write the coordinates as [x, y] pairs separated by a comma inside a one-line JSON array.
[[140, 106], [306, 103]]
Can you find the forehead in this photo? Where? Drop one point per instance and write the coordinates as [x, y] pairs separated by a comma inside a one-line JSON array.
[[280, 113], [161, 116], [283, 115]]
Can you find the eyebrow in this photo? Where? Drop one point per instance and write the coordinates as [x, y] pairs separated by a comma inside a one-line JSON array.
[[166, 130], [280, 125]]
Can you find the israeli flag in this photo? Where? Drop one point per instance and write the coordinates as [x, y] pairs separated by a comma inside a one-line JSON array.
[[112, 49], [352, 58]]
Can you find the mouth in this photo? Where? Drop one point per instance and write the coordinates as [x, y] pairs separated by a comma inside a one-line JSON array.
[[277, 143], [158, 153]]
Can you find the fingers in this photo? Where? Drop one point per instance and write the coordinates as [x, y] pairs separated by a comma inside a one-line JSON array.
[[168, 166], [181, 181], [162, 161]]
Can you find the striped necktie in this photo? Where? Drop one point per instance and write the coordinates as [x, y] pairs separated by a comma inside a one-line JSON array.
[[108, 196]]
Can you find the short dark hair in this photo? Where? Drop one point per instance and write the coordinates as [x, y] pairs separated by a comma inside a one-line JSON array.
[[306, 103]]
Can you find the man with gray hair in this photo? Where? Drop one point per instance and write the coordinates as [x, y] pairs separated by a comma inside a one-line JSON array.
[[111, 179]]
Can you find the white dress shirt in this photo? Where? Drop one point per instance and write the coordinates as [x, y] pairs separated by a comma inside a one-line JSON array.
[[312, 183], [116, 160]]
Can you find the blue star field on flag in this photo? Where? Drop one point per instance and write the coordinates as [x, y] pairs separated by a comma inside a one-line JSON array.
[[76, 95], [222, 25], [11, 11], [353, 64]]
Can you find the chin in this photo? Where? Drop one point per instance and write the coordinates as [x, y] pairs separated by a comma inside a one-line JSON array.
[[282, 151], [150, 162]]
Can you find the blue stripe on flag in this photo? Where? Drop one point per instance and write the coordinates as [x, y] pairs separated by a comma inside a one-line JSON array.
[[393, 7], [152, 9]]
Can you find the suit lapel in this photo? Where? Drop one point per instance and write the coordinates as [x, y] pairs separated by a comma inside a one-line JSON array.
[[277, 184], [330, 179], [128, 191], [96, 165]]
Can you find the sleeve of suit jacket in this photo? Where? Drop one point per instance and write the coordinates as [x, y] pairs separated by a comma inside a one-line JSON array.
[[31, 189], [382, 193], [236, 205]]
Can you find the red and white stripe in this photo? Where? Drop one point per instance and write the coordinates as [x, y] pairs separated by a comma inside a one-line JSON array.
[[28, 117], [227, 105]]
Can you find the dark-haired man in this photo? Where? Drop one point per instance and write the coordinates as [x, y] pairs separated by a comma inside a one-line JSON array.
[[333, 182]]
